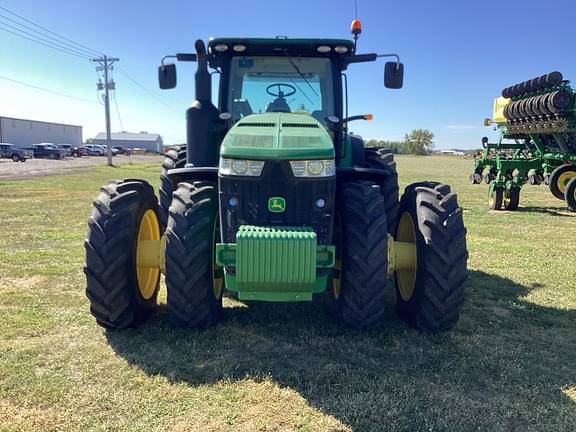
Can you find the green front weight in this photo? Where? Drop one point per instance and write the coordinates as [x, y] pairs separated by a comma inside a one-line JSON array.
[[274, 259]]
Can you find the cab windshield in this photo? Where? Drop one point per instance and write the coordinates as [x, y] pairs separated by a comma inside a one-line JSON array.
[[281, 84]]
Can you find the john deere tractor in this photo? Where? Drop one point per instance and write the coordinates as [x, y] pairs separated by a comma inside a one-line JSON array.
[[272, 199]]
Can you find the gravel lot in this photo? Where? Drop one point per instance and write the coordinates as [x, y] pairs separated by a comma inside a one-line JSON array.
[[42, 167]]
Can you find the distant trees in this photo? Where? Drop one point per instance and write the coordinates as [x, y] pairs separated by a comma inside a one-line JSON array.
[[417, 142], [394, 146]]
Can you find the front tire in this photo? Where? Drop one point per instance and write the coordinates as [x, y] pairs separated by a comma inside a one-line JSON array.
[[359, 293], [121, 294], [193, 281], [429, 298]]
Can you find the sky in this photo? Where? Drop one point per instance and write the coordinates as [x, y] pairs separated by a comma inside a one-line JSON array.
[[458, 55]]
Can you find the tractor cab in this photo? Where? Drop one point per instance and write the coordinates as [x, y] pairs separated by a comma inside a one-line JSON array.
[[256, 76]]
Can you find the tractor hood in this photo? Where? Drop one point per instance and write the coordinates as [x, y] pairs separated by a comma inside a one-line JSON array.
[[278, 136]]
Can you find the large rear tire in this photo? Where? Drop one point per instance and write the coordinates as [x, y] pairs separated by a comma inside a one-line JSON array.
[[173, 159], [559, 178], [121, 293], [360, 290], [429, 298], [570, 195], [383, 159], [193, 281]]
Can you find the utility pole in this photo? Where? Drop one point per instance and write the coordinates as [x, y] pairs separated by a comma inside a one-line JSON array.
[[105, 64]]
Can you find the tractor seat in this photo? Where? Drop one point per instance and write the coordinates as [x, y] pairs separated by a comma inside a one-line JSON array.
[[278, 105]]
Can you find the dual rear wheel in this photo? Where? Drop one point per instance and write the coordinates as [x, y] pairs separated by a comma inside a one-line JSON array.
[[430, 292]]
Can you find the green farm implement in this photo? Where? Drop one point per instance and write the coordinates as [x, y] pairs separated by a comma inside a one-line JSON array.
[[272, 199], [537, 124]]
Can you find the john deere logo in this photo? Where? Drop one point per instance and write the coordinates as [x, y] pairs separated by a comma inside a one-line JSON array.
[[276, 204]]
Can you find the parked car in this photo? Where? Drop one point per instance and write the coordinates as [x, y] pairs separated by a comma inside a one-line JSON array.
[[120, 150], [48, 151], [10, 151], [95, 149], [74, 150]]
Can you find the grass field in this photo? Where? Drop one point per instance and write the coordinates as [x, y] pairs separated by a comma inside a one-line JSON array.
[[508, 365]]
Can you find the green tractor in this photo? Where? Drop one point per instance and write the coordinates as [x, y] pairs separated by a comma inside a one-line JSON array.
[[272, 199]]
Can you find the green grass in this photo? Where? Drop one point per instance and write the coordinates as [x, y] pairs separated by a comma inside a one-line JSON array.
[[508, 364]]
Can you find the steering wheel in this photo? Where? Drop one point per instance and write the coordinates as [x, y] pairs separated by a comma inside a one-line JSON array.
[[280, 93]]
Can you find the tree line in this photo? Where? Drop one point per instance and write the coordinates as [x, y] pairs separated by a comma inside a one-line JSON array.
[[417, 142]]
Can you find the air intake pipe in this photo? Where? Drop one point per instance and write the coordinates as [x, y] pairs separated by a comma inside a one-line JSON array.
[[203, 126]]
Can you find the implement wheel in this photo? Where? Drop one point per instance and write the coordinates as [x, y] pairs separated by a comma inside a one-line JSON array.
[[475, 178], [122, 291], [489, 177], [495, 197], [430, 296], [512, 199], [173, 159], [359, 292], [570, 195], [559, 178], [193, 281], [383, 159]]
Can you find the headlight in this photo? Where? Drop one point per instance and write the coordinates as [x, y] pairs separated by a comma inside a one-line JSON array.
[[240, 167], [313, 168]]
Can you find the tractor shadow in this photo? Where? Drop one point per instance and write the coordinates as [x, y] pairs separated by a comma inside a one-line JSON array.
[[504, 366], [554, 211]]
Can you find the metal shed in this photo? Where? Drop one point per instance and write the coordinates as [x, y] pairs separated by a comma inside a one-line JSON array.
[[24, 132], [149, 141]]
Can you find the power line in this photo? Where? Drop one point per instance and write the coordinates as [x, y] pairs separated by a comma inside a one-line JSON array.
[[117, 110], [55, 40], [95, 52], [47, 90], [145, 89], [35, 39]]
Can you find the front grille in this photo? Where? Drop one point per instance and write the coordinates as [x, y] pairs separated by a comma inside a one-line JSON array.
[[247, 124], [277, 180], [300, 125]]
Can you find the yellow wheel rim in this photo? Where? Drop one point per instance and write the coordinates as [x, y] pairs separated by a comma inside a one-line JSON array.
[[563, 180], [491, 196], [507, 198], [147, 276], [406, 278], [217, 276]]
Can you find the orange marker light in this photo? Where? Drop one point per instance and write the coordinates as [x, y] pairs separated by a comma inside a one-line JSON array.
[[356, 27], [368, 117]]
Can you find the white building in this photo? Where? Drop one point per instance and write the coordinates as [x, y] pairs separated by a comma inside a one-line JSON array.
[[24, 133], [151, 142]]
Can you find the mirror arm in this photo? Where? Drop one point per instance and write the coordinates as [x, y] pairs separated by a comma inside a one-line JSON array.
[[180, 57], [396, 56], [167, 57]]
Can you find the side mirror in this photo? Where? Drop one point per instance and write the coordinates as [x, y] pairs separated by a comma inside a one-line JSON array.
[[487, 122], [393, 75], [167, 76]]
